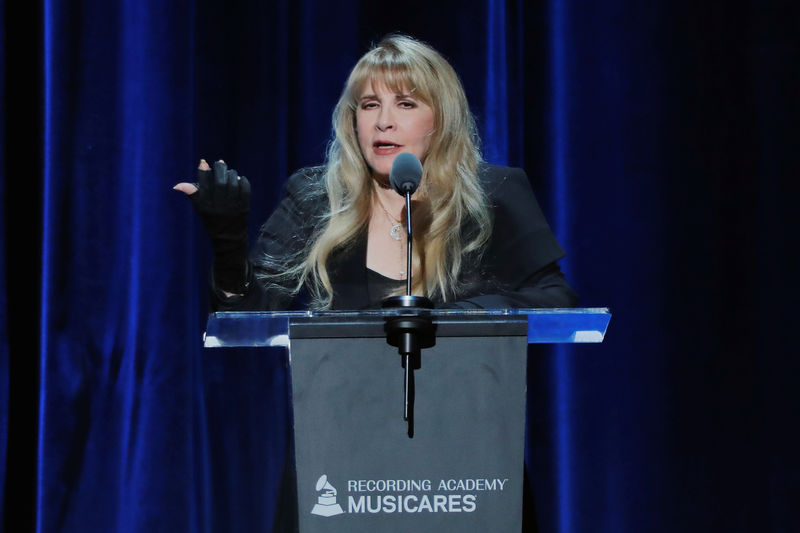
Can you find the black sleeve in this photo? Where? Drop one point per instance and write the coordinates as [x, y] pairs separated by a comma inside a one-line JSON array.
[[545, 288], [519, 267], [285, 233]]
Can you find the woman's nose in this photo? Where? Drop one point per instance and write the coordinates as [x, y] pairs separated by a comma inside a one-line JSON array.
[[385, 120]]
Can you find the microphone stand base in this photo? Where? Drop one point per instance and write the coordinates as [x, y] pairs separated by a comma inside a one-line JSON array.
[[407, 301], [409, 332]]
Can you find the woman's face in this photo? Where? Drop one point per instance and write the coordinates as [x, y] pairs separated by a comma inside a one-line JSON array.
[[389, 124]]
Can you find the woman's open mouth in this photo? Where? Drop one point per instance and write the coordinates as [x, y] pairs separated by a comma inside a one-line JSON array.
[[385, 148]]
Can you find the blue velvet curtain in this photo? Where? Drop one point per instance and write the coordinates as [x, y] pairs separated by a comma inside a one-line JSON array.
[[4, 363], [661, 138]]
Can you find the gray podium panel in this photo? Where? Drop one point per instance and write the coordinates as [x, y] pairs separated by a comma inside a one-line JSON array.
[[357, 470]]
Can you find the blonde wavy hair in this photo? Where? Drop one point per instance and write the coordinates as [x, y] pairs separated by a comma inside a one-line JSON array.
[[451, 196]]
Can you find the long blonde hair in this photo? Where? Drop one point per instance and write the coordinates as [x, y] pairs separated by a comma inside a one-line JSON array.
[[453, 196]]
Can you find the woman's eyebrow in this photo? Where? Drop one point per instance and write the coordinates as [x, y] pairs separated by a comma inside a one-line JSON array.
[[398, 96]]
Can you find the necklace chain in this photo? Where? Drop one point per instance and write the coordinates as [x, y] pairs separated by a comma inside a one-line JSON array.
[[397, 226], [396, 230]]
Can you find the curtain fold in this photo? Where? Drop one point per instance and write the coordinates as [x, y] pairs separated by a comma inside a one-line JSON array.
[[4, 362]]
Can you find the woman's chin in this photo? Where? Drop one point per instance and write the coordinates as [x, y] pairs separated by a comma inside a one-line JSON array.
[[381, 180]]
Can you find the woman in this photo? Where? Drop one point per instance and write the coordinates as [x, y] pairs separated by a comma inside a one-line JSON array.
[[337, 239]]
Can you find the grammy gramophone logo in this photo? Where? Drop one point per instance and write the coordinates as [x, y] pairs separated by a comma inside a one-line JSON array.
[[326, 501]]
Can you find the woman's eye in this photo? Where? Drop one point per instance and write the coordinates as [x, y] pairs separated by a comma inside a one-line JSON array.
[[369, 105], [407, 105]]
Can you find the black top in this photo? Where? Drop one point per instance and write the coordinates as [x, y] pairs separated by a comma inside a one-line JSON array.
[[517, 269], [380, 286]]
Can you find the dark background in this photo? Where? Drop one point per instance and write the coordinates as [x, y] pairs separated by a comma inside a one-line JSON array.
[[660, 137]]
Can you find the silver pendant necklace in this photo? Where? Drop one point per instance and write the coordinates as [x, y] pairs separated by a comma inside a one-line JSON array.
[[396, 231]]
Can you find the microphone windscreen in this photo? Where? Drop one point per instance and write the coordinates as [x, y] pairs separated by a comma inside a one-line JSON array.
[[406, 173]]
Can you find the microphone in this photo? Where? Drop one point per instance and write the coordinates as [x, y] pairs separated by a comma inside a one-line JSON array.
[[404, 177], [406, 173], [410, 331]]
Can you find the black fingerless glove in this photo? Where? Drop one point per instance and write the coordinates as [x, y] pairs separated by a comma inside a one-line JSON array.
[[222, 201]]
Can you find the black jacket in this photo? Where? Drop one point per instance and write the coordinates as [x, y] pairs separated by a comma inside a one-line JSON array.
[[517, 269]]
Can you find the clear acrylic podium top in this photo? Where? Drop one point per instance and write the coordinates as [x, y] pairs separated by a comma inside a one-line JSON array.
[[255, 328]]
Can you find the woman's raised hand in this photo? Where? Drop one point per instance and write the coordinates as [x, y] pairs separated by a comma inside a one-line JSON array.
[[220, 191], [222, 200]]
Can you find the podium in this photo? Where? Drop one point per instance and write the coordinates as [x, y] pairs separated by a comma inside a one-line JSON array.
[[356, 468]]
